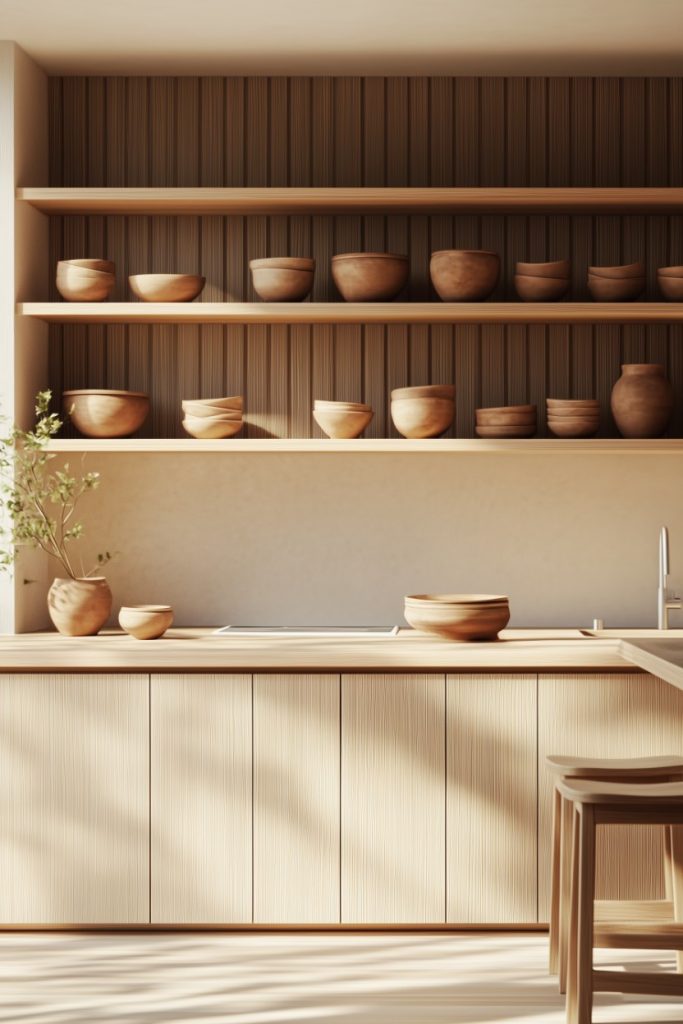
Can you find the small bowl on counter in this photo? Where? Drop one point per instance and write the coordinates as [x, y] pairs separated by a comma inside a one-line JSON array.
[[506, 421], [106, 413], [463, 617], [464, 275], [342, 419], [282, 278], [573, 417], [670, 282], [146, 621], [425, 411], [369, 276], [85, 280], [166, 287]]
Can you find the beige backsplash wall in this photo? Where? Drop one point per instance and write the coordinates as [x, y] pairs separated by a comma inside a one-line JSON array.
[[337, 539]]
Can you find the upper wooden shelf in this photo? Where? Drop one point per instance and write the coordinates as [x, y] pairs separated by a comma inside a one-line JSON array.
[[464, 445], [351, 200], [355, 313]]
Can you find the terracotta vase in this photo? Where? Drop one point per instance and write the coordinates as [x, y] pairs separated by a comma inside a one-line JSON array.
[[79, 607], [642, 400]]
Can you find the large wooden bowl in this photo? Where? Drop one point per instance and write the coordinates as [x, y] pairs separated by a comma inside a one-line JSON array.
[[282, 278], [369, 276], [342, 422], [422, 417], [98, 413], [464, 275], [166, 287], [462, 617]]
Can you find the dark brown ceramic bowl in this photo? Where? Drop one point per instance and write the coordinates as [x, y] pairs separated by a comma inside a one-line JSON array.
[[540, 289], [625, 289], [369, 276], [559, 268], [464, 275]]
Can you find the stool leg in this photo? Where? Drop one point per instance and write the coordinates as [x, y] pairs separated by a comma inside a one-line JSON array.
[[570, 961], [676, 864], [566, 859], [580, 1007], [554, 939]]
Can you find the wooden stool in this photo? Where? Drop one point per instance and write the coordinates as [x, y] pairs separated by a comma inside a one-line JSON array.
[[609, 803], [633, 771]]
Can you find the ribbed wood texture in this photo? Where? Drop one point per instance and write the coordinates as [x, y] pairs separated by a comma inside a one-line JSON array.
[[296, 799], [362, 131]]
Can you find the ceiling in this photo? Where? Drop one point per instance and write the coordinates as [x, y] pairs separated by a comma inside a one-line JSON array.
[[372, 37]]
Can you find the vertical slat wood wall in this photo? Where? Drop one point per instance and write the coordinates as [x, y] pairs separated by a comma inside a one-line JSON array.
[[362, 131]]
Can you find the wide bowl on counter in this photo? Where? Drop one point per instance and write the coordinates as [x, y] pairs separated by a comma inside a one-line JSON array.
[[342, 419], [166, 287], [464, 275], [461, 617], [106, 413], [282, 278], [425, 411], [369, 276]]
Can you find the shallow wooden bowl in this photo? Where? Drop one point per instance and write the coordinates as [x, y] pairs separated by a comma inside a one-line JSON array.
[[106, 413], [513, 415], [577, 426], [324, 403], [196, 409], [572, 403], [540, 289], [282, 278], [146, 621], [460, 617], [104, 266], [342, 423], [670, 272], [78, 284], [166, 287], [369, 276], [211, 428], [624, 289], [506, 430], [422, 417], [558, 268], [425, 391], [464, 275], [234, 402], [670, 287], [617, 273]]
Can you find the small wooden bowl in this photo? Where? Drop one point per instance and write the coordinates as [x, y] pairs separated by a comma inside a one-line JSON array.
[[198, 411], [211, 428], [617, 273], [510, 416], [463, 617], [104, 266], [558, 268], [506, 430], [146, 621], [670, 272], [342, 423], [282, 278], [235, 402], [100, 413], [422, 417], [324, 403], [541, 289], [576, 426], [166, 287], [425, 391], [624, 289], [79, 284], [464, 275], [369, 276], [671, 287]]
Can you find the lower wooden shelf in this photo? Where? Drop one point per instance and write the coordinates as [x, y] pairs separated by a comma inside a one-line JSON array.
[[462, 446]]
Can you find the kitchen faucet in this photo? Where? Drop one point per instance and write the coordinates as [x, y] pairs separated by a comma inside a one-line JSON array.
[[664, 603]]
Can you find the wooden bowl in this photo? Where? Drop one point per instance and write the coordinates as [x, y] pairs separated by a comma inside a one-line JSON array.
[[235, 402], [422, 417], [558, 268], [166, 287], [670, 287], [79, 284], [670, 272], [425, 391], [342, 422], [617, 273], [574, 426], [104, 266], [323, 403], [211, 428], [146, 621], [98, 413], [624, 289], [464, 275], [199, 411], [507, 416], [506, 429], [282, 278], [462, 617], [540, 289], [369, 276]]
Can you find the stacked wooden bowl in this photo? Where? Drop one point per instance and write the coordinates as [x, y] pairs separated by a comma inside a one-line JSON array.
[[616, 284], [670, 281], [542, 282], [573, 417], [85, 280], [342, 419], [458, 616], [425, 411], [213, 418], [282, 278], [506, 421]]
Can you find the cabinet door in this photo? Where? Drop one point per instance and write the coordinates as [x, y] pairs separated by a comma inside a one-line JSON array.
[[74, 799], [201, 798], [624, 715], [393, 794], [491, 799], [296, 799]]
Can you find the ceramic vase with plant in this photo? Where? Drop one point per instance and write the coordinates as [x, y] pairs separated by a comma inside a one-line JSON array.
[[38, 504]]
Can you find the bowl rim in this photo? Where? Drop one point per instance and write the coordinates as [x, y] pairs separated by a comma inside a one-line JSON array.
[[156, 609], [167, 277], [498, 409], [307, 263], [369, 255], [107, 393], [539, 277], [469, 252], [427, 600]]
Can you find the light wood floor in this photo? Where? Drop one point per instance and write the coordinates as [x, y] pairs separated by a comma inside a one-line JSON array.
[[259, 979]]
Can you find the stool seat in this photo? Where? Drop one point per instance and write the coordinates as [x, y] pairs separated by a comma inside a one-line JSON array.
[[587, 791], [609, 767]]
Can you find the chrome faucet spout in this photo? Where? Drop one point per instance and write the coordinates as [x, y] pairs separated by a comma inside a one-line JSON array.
[[664, 602]]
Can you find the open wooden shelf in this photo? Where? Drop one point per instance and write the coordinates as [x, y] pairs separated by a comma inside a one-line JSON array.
[[354, 312], [471, 446], [350, 200]]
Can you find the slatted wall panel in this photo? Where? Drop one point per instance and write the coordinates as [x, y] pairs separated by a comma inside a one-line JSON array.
[[362, 131]]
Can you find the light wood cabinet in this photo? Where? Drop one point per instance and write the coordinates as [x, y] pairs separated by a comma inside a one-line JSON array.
[[393, 776], [296, 799], [74, 800], [632, 715], [491, 799], [201, 798]]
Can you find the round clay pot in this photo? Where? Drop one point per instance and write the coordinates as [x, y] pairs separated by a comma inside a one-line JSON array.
[[369, 276], [464, 275], [540, 289], [79, 607], [642, 400]]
